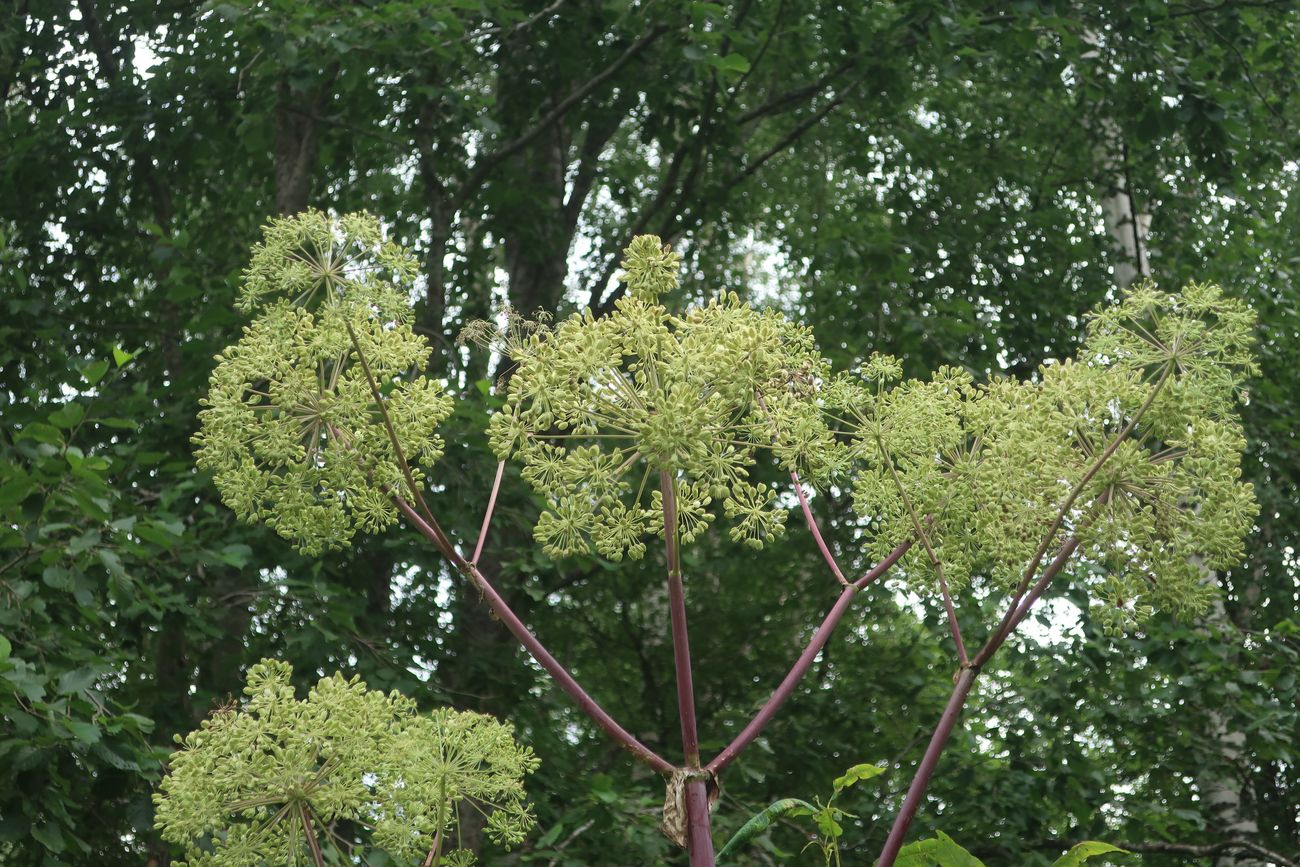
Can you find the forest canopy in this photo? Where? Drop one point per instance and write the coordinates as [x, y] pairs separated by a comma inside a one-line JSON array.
[[952, 187]]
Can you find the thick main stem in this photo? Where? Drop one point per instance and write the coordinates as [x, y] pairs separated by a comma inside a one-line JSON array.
[[699, 836], [916, 791]]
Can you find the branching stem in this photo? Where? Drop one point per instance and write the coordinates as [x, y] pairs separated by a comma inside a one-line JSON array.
[[1017, 610], [487, 514], [811, 521]]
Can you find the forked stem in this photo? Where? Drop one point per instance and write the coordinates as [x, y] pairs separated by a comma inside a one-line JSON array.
[[1021, 602]]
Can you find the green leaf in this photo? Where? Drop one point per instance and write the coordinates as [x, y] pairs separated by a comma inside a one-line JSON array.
[[95, 371], [762, 820], [111, 562], [75, 680], [731, 63], [5, 648], [85, 732], [857, 774], [58, 578], [41, 433], [84, 542], [48, 835], [1084, 851], [121, 357], [827, 819], [938, 852], [15, 491], [552, 834], [236, 554], [68, 416]]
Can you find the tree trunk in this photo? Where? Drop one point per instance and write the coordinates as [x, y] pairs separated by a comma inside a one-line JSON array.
[[296, 143], [1220, 783]]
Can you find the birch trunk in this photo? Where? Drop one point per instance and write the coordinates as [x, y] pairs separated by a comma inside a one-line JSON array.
[[1220, 784]]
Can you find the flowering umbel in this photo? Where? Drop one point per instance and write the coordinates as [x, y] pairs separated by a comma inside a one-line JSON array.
[[598, 408], [1133, 448], [282, 780], [295, 424]]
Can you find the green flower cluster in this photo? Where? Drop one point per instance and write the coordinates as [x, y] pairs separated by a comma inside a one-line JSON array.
[[1133, 447], [283, 779], [293, 428], [597, 409]]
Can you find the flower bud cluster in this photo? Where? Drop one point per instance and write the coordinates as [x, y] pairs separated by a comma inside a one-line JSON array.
[[597, 409], [251, 785], [291, 429], [1133, 447]]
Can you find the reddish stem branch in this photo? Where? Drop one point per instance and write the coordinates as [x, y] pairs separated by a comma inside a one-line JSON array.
[[800, 668], [1020, 611], [535, 648], [816, 530], [953, 626], [929, 761], [487, 515], [681, 638], [870, 576], [961, 690]]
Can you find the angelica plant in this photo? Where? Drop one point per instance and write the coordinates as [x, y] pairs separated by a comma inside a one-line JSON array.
[[648, 424], [291, 426], [596, 409], [343, 771]]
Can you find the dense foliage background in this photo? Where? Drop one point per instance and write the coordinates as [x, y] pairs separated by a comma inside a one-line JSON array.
[[922, 177]]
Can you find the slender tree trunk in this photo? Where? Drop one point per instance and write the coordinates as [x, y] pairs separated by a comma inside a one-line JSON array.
[[296, 142], [1220, 783]]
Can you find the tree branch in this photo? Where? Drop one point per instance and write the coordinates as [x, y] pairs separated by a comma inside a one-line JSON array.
[[488, 162]]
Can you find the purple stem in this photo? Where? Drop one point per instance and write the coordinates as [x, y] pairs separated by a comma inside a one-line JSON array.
[[699, 834], [699, 825], [965, 679], [803, 663], [816, 531], [487, 515], [929, 761], [535, 648]]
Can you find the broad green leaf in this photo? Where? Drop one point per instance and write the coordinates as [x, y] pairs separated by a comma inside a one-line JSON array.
[[112, 562], [761, 821], [76, 680], [49, 835], [41, 433], [731, 63], [58, 578], [940, 851], [85, 732], [68, 416], [236, 554], [827, 820], [121, 357], [857, 774], [95, 371], [1086, 850]]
